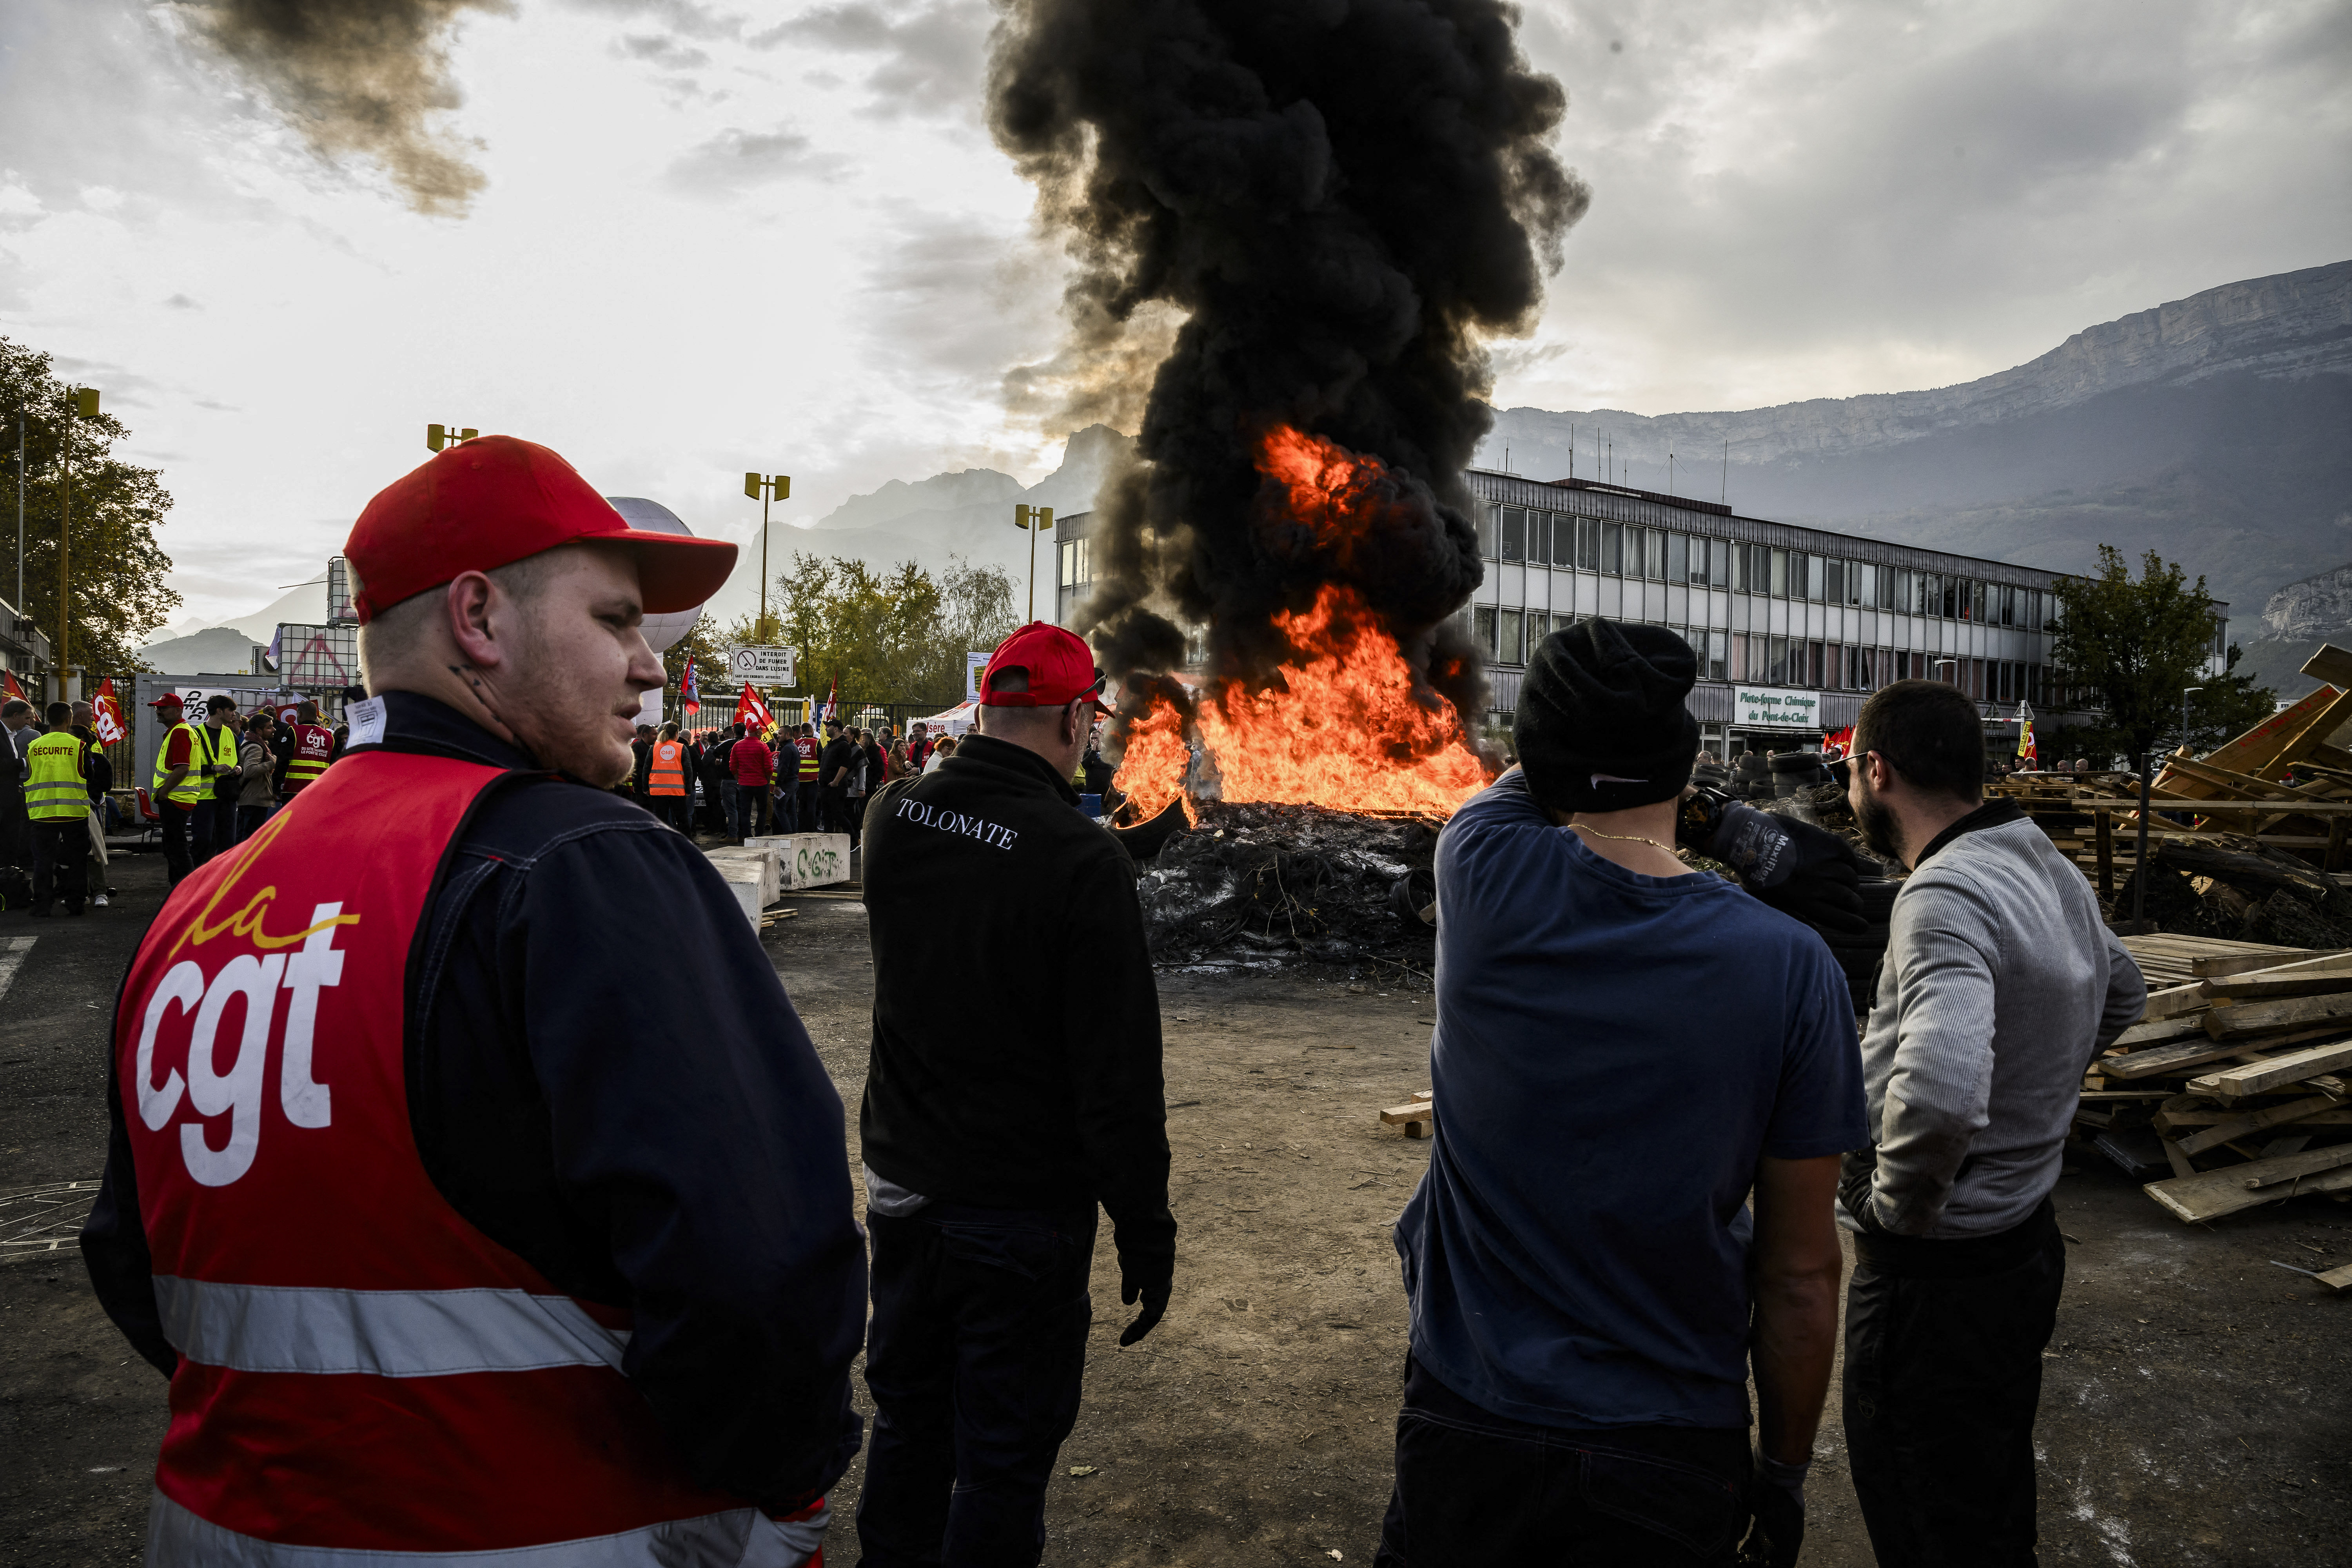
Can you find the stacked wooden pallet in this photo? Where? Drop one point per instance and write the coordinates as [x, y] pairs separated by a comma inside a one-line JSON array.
[[2281, 784], [2237, 1075]]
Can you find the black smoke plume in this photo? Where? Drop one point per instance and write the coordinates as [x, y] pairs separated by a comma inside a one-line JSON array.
[[1343, 198], [357, 77]]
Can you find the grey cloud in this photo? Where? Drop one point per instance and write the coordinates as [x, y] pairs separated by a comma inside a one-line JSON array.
[[686, 18], [181, 303], [737, 159], [931, 51], [655, 48], [1780, 183]]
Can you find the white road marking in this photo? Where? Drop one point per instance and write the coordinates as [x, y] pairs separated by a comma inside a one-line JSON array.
[[12, 958]]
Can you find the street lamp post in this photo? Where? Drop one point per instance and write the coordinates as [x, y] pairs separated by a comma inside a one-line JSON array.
[[2184, 712], [1937, 664], [1036, 520], [439, 436], [82, 401], [763, 489]]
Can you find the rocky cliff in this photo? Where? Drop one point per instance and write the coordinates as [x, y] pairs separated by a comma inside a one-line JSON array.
[[2293, 325]]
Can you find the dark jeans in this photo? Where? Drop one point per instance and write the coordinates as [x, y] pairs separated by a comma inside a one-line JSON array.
[[836, 809], [811, 813], [249, 818], [724, 793], [674, 809], [60, 862], [975, 1356], [751, 810], [209, 821], [1478, 1489], [177, 822], [1943, 1372], [788, 808]]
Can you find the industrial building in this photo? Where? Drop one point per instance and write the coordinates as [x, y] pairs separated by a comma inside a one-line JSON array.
[[1793, 626]]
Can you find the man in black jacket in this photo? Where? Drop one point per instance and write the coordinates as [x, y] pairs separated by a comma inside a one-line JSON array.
[[990, 1133]]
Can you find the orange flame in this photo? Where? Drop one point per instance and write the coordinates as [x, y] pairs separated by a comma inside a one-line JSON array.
[[1343, 726]]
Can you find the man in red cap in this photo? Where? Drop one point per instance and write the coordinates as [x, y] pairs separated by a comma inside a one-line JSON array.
[[179, 785], [983, 880], [459, 1246]]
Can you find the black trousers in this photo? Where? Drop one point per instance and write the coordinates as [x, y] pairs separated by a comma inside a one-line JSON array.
[[1475, 1490], [1943, 1374], [60, 862], [836, 810], [212, 827], [177, 860], [975, 1357]]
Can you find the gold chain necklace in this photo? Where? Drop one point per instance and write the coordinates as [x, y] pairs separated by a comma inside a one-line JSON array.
[[1620, 838]]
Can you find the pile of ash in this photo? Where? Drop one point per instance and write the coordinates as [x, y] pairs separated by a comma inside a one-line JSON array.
[[1289, 883]]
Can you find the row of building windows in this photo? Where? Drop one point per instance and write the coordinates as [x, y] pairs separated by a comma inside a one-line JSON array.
[[1078, 567], [1622, 550], [1507, 636]]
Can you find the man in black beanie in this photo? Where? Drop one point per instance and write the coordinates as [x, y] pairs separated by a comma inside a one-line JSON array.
[[1626, 1052]]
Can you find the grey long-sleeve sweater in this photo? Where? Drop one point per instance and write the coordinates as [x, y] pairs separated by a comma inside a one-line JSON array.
[[2000, 984]]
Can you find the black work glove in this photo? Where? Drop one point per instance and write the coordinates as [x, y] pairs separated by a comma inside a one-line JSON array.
[[1152, 1276], [1856, 1170], [1804, 871], [1776, 1504]]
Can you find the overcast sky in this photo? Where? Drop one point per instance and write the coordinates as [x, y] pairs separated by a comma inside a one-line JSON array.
[[722, 236]]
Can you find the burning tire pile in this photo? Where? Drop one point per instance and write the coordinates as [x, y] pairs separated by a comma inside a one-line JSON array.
[[1291, 883]]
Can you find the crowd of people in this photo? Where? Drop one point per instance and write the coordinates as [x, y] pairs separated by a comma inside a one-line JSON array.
[[511, 1241], [738, 784]]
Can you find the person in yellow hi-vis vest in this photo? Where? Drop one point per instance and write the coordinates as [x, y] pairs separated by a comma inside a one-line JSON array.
[[56, 799], [178, 784]]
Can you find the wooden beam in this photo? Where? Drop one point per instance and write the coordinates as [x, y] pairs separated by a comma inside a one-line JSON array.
[[2179, 1000], [2209, 1194], [2252, 1018], [2254, 1078], [2254, 1121], [2163, 1032], [2253, 751], [2330, 664], [2264, 986], [2291, 1167], [2231, 778], [2106, 855]]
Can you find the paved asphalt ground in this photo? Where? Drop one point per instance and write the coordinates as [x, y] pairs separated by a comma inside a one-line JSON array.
[[2195, 1410]]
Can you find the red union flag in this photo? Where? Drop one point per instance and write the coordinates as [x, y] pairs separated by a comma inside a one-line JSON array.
[[106, 714], [752, 713]]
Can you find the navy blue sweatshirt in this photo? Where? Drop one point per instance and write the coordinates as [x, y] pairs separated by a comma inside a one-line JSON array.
[[693, 1172]]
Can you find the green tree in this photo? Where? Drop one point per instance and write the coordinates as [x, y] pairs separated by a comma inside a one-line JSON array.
[[2230, 705], [888, 637], [2129, 649], [117, 572]]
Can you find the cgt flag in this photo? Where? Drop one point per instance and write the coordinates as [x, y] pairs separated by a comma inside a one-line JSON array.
[[689, 695], [2026, 748], [14, 689], [106, 714], [1837, 744], [752, 713]]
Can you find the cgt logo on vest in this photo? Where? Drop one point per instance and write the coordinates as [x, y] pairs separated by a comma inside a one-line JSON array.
[[255, 979]]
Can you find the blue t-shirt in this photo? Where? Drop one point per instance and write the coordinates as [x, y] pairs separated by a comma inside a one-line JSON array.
[[1613, 1054]]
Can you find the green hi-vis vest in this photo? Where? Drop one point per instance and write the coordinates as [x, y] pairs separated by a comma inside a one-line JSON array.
[[191, 788], [219, 749], [58, 789]]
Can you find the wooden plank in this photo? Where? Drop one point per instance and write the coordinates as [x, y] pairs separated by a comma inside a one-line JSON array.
[[2253, 1078], [2228, 965], [2237, 782], [2333, 862], [2176, 1159], [2129, 805], [2300, 1110], [2177, 1000], [2209, 1194], [2252, 1018], [2330, 664], [2106, 831], [2293, 1166], [2249, 751], [2214, 1115], [2163, 1032], [1415, 1119], [2266, 985], [2196, 1053]]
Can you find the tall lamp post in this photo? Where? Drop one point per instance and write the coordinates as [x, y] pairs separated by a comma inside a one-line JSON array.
[[1937, 664], [763, 489], [82, 401], [1036, 520]]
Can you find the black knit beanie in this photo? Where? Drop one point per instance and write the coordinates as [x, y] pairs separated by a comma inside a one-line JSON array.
[[1601, 725]]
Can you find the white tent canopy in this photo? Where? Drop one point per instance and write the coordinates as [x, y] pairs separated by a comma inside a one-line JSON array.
[[954, 721]]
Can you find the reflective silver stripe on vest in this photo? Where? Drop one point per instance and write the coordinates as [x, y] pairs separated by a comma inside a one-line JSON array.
[[740, 1538], [388, 1333]]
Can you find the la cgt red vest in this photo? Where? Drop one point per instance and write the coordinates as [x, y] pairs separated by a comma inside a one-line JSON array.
[[363, 1371]]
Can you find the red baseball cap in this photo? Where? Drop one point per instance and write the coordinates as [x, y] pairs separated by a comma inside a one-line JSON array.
[[1061, 670], [492, 502], [169, 699]]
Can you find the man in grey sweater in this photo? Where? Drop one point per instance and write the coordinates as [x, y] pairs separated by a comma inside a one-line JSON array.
[[2000, 984]]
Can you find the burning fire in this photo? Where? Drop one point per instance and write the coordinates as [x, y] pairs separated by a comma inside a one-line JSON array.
[[1343, 726]]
